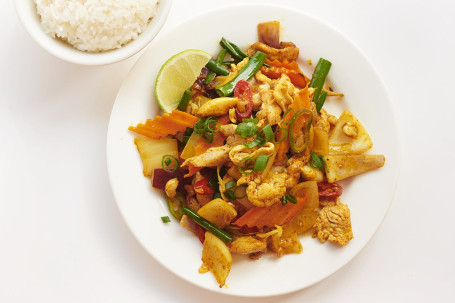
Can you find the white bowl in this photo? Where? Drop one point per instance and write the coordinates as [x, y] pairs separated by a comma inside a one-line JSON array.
[[26, 12]]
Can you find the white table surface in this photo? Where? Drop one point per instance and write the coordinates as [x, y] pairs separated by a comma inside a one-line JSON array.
[[63, 239]]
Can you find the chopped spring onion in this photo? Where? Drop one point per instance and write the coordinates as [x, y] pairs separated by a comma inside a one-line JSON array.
[[288, 198], [231, 191], [246, 165], [262, 137], [318, 161], [261, 163], [165, 219], [276, 132], [247, 128], [166, 163], [285, 115], [222, 234], [206, 127]]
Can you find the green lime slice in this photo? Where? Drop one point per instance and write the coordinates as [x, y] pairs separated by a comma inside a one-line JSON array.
[[176, 75]]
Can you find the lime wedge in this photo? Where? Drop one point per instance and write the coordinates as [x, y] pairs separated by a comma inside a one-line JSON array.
[[176, 75]]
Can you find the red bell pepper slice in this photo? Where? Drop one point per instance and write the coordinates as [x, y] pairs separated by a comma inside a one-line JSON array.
[[202, 187]]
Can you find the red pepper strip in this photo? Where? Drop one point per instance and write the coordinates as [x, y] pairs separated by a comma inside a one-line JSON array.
[[242, 91], [329, 190], [273, 72], [202, 187]]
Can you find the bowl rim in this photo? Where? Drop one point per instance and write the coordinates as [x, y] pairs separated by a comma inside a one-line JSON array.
[[26, 12]]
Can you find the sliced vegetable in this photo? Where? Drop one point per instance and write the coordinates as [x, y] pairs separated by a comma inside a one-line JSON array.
[[203, 187], [306, 218], [276, 214], [168, 124], [242, 91], [273, 72], [247, 128], [216, 258], [246, 165], [299, 130], [269, 33], [317, 82], [262, 137], [185, 99], [160, 178], [218, 212], [169, 163], [261, 163], [344, 166], [217, 68], [233, 49], [219, 59], [329, 190], [249, 70], [175, 205], [318, 161], [222, 234], [165, 219], [206, 127], [288, 198], [152, 152]]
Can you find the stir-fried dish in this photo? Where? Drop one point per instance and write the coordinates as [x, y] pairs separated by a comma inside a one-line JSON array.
[[249, 159]]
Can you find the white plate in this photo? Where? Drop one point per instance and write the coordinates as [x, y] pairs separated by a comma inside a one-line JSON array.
[[368, 195]]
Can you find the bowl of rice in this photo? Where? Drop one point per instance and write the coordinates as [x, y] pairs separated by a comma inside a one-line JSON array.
[[93, 32]]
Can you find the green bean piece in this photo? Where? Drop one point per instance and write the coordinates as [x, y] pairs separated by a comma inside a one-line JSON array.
[[219, 59], [238, 50], [317, 82], [217, 68], [248, 71], [230, 49], [222, 234], [186, 97]]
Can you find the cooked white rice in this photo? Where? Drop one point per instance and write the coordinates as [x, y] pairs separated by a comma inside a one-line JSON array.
[[96, 25]]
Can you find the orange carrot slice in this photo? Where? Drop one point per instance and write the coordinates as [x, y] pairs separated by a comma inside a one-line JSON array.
[[276, 214], [167, 124]]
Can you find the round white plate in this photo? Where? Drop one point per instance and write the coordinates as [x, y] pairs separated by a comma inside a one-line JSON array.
[[368, 196]]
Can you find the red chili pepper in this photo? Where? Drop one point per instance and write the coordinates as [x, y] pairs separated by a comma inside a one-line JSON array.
[[202, 187], [242, 91], [329, 190]]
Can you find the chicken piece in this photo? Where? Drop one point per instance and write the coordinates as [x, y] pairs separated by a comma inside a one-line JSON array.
[[269, 110], [217, 106], [228, 130], [334, 224], [171, 187], [268, 190], [214, 156], [286, 52], [326, 120], [284, 92], [239, 152], [247, 245], [235, 140]]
